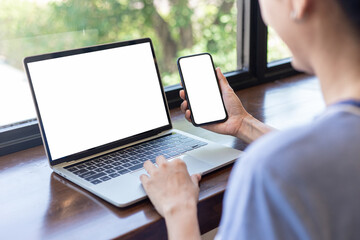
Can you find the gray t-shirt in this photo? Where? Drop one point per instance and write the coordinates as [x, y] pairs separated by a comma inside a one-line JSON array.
[[302, 183]]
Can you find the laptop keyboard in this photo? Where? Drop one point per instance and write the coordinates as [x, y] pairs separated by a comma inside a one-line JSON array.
[[115, 164]]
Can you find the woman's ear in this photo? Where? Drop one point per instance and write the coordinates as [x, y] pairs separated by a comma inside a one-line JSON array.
[[299, 9]]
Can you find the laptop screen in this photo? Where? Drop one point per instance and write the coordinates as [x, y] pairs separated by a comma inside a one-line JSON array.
[[90, 99]]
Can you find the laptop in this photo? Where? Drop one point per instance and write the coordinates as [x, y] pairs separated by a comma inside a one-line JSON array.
[[102, 112]]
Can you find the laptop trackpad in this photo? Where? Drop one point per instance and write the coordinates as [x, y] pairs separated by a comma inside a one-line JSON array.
[[194, 165]]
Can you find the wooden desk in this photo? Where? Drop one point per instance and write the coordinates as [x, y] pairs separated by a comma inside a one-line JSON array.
[[36, 203]]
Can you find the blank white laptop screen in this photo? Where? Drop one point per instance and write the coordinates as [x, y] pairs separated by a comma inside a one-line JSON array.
[[91, 99]]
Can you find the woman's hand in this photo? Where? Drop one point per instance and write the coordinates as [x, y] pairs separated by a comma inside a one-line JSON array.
[[169, 185], [236, 111], [174, 195]]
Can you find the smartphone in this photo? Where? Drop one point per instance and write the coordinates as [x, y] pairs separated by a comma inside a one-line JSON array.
[[202, 90]]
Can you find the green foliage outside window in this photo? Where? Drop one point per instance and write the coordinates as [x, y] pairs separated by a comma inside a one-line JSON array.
[[177, 27]]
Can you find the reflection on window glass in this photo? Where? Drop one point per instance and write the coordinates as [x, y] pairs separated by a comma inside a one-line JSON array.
[[277, 49], [177, 27]]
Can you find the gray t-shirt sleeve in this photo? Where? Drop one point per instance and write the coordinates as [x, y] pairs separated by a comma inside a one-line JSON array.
[[297, 184]]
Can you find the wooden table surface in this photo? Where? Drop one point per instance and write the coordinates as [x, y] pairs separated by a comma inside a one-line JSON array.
[[36, 203]]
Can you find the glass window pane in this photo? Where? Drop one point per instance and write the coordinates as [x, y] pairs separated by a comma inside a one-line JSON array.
[[277, 49], [177, 27]]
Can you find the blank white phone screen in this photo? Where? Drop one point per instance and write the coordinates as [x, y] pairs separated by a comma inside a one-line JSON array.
[[202, 89], [91, 99]]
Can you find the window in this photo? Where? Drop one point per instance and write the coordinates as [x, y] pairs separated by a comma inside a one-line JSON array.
[[231, 30], [277, 49]]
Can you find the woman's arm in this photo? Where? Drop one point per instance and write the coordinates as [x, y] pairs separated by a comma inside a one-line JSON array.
[[182, 223], [174, 194], [240, 123], [251, 129]]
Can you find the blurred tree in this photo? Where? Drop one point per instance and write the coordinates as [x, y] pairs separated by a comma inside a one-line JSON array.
[[184, 27], [112, 17]]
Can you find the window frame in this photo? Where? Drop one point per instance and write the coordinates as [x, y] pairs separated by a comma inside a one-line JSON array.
[[256, 70]]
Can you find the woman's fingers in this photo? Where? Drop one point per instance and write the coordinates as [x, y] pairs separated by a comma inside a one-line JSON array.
[[220, 75], [222, 79], [195, 178], [144, 179], [160, 160], [184, 106], [182, 94], [149, 167], [187, 115]]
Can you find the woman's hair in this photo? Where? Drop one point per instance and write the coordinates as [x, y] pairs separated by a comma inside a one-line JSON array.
[[352, 11]]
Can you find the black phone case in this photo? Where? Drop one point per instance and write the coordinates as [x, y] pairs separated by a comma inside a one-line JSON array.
[[186, 96]]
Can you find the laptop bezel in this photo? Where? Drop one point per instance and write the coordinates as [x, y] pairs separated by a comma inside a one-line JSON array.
[[105, 147]]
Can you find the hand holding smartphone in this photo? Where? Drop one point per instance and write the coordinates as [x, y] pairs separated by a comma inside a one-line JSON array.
[[202, 89]]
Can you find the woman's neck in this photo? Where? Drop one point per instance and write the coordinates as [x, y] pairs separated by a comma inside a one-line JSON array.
[[337, 66]]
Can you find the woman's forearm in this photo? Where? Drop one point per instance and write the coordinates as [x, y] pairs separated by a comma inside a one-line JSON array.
[[251, 129], [182, 223]]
